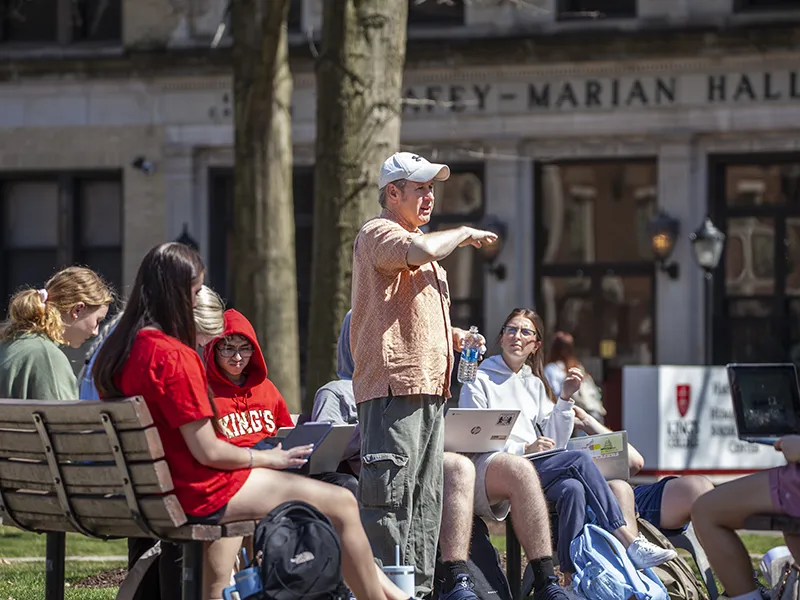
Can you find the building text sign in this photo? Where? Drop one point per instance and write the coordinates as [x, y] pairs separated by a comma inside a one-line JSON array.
[[598, 93]]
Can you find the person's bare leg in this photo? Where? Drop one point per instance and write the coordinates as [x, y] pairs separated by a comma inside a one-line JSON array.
[[265, 489], [457, 507], [717, 515], [623, 492], [513, 478], [679, 495], [219, 559]]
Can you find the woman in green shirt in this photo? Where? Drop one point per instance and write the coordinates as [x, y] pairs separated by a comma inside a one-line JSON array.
[[66, 311]]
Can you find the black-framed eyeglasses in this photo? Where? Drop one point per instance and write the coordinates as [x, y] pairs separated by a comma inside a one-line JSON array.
[[230, 351], [524, 332]]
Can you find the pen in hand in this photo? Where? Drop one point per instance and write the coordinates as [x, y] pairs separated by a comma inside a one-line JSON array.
[[539, 429]]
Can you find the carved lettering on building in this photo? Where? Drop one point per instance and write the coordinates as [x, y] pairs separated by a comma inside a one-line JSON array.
[[597, 93]]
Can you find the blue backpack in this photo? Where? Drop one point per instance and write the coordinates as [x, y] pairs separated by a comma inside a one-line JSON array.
[[603, 570]]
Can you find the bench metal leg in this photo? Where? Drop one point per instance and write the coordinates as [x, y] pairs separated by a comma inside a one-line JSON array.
[[192, 571], [513, 560], [54, 566], [688, 541]]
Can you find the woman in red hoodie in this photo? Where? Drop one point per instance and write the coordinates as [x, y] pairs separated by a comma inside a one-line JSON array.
[[250, 407]]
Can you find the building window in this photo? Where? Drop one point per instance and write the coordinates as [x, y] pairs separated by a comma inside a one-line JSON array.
[[756, 309], [220, 229], [60, 21], [49, 222], [460, 201], [594, 265], [294, 21], [433, 13], [596, 9], [766, 5]]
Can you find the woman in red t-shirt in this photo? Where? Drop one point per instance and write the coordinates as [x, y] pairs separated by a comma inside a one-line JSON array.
[[151, 354]]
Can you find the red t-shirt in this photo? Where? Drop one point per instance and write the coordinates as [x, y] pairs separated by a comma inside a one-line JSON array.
[[170, 377]]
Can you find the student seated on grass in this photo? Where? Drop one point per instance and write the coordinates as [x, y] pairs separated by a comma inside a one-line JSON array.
[[667, 503], [151, 353], [719, 513]]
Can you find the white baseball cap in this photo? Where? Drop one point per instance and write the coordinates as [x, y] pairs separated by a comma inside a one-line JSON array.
[[405, 165]]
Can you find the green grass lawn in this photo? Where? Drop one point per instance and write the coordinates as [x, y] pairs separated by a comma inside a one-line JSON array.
[[25, 581], [15, 543]]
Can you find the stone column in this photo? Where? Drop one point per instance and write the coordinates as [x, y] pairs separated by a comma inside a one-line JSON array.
[[680, 303]]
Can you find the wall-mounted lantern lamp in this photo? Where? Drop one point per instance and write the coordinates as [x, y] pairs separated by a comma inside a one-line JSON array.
[[664, 231]]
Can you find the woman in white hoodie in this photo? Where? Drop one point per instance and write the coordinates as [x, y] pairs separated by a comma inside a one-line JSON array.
[[515, 379]]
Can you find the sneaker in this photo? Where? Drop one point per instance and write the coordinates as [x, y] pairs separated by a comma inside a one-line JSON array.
[[644, 554], [552, 591], [462, 590]]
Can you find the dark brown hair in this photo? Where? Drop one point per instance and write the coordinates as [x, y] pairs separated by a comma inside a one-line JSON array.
[[161, 297], [563, 350], [534, 360]]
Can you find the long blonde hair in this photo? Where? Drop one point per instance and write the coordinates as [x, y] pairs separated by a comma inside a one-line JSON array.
[[209, 315], [39, 311]]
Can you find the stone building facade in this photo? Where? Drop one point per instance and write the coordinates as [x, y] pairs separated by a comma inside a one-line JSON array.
[[569, 129]]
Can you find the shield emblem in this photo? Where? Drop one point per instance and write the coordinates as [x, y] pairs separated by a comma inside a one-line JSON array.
[[683, 396]]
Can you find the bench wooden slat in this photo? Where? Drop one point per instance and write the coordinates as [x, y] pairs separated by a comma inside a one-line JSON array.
[[238, 528], [164, 509], [90, 445], [75, 415], [117, 528], [148, 478], [768, 522]]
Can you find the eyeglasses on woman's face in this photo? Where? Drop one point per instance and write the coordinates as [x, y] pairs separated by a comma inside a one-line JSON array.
[[511, 331], [227, 351]]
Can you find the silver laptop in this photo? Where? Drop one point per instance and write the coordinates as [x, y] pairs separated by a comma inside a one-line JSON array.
[[327, 457], [609, 452], [766, 401], [478, 429]]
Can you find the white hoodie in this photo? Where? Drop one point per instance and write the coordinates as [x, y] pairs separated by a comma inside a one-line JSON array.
[[497, 386]]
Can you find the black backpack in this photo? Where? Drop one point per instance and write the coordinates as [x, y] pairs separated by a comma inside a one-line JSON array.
[[299, 555]]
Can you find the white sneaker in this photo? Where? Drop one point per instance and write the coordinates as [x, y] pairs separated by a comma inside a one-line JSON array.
[[644, 554]]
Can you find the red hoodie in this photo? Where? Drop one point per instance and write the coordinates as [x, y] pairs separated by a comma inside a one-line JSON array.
[[249, 412]]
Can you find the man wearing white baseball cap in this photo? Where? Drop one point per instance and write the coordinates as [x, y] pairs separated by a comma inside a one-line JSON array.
[[402, 344]]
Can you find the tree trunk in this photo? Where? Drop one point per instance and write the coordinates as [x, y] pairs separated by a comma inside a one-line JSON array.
[[263, 248], [359, 80]]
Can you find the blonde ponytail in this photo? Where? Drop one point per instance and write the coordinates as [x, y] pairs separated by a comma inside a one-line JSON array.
[[39, 311]]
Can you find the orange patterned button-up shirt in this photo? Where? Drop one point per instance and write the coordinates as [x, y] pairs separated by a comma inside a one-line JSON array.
[[400, 332]]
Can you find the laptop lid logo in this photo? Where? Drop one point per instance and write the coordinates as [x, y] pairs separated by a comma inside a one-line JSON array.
[[475, 430], [683, 397]]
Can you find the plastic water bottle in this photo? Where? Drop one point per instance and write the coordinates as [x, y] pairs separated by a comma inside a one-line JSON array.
[[468, 367]]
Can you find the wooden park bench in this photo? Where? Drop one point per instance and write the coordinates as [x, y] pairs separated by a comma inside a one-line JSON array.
[[98, 469]]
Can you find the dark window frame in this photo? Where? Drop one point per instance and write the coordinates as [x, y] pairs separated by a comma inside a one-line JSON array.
[[70, 248], [67, 31], [476, 303], [756, 6], [592, 271], [581, 10], [720, 212], [448, 15]]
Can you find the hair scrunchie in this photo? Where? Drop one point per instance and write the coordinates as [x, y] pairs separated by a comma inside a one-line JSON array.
[[43, 295]]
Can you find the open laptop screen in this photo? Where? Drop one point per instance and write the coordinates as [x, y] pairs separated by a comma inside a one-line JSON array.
[[765, 399]]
